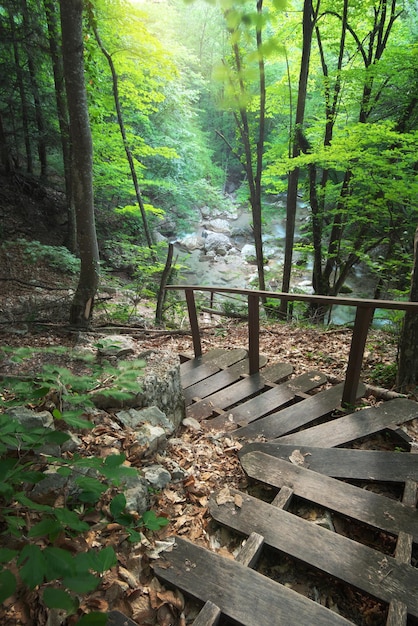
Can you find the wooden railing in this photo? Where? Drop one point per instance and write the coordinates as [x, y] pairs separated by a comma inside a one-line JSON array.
[[364, 315]]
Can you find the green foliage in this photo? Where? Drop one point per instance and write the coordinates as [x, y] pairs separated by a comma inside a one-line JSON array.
[[384, 375], [57, 257], [61, 574]]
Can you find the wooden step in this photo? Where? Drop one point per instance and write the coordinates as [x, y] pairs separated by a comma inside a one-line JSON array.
[[198, 374], [269, 400], [209, 386], [224, 398], [297, 415], [243, 595], [348, 428], [367, 507], [367, 465], [360, 566]]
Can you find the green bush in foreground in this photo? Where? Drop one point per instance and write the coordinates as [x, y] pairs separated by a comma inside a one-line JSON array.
[[31, 533]]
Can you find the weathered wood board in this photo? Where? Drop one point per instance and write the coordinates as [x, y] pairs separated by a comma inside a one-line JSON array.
[[269, 400], [365, 568], [224, 358], [198, 374], [365, 506], [209, 386], [297, 415], [233, 394], [356, 425], [344, 463], [243, 367], [242, 594]]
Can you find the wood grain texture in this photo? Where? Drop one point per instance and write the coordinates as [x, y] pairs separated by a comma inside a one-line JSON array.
[[242, 594]]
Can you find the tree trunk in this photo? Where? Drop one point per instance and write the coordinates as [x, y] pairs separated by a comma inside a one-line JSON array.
[[121, 123], [82, 157], [22, 94], [292, 188], [62, 110], [39, 116], [407, 376]]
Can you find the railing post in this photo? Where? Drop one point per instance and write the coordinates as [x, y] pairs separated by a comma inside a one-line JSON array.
[[194, 323], [253, 333], [364, 316]]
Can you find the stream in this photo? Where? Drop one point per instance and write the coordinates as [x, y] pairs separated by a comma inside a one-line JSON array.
[[231, 263]]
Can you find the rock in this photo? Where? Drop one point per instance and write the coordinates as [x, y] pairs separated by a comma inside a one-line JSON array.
[[116, 345], [248, 253], [190, 422], [218, 243], [47, 490], [192, 242], [151, 415], [72, 444], [137, 497], [151, 438], [157, 476], [218, 226], [31, 419]]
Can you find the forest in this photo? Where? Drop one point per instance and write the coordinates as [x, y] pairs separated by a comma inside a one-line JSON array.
[[136, 125]]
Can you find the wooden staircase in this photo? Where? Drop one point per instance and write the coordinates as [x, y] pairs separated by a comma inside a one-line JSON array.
[[301, 444]]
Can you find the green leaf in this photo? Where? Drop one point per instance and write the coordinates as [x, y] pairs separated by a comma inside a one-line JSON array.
[[118, 504], [114, 460], [7, 555], [45, 527], [82, 583], [60, 599], [93, 619], [106, 559], [59, 563], [7, 585], [33, 569], [71, 519], [72, 418], [152, 522]]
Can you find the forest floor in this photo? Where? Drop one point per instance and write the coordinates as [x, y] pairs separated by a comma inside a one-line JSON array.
[[34, 304]]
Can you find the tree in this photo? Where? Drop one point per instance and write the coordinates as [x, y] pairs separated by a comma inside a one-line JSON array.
[[82, 158], [407, 375], [128, 151], [298, 143]]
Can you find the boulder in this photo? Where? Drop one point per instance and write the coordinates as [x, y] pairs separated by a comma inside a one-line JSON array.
[[218, 225], [218, 243]]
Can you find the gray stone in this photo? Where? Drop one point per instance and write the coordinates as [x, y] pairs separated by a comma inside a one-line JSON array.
[[151, 438], [219, 226], [190, 422], [177, 472], [49, 487], [157, 476], [191, 242], [116, 345], [72, 444], [148, 415], [218, 243], [137, 498], [249, 253], [31, 419]]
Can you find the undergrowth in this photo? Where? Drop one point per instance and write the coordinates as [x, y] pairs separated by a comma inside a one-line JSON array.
[[36, 536]]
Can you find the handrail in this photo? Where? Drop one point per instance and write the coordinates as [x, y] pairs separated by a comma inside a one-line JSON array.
[[364, 314]]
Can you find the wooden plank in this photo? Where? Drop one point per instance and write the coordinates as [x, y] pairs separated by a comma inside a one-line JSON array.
[[365, 506], [398, 610], [116, 618], [210, 385], [356, 425], [277, 372], [360, 566], [209, 615], [297, 415], [345, 463], [268, 401], [242, 368], [242, 594], [224, 358], [233, 394], [197, 374]]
